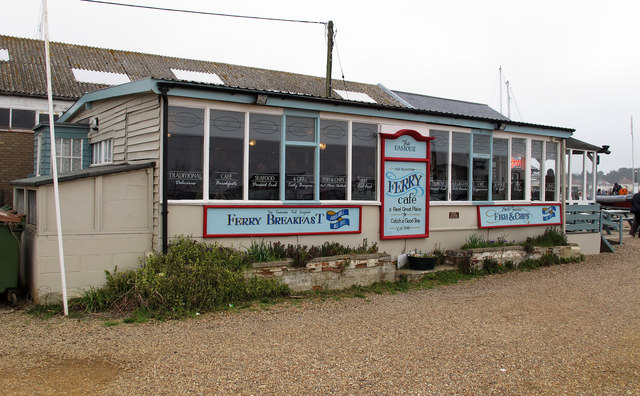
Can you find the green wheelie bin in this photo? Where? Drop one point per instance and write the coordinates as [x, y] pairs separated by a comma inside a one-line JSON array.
[[9, 261]]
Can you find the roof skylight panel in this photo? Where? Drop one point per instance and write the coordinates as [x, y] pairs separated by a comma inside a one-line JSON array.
[[100, 77], [202, 77], [356, 96], [4, 55]]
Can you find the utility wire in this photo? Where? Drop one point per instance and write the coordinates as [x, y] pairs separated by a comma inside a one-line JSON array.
[[335, 42], [200, 12]]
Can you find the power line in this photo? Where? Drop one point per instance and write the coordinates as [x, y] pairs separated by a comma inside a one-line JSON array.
[[201, 12]]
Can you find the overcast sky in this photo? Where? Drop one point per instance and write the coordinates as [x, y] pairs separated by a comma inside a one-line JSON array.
[[570, 63]]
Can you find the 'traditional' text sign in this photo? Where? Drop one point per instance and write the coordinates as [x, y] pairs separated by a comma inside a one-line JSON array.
[[237, 221], [518, 215]]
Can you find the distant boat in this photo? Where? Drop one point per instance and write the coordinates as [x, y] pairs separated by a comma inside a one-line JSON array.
[[615, 201]]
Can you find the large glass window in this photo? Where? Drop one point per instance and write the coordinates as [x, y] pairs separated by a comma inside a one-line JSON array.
[[518, 167], [500, 176], [264, 156], [316, 154], [536, 169], [439, 190], [460, 155], [551, 168], [481, 158], [333, 160], [186, 144], [226, 148], [299, 175], [364, 161]]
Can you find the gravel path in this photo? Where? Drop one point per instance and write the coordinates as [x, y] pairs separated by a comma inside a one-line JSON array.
[[568, 329]]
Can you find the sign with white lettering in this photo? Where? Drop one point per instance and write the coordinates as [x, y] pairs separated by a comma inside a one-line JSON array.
[[405, 185], [495, 216], [267, 220]]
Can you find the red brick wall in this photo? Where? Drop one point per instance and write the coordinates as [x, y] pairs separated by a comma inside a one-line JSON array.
[[16, 161]]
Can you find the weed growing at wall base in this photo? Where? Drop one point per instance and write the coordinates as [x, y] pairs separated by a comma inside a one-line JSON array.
[[192, 277]]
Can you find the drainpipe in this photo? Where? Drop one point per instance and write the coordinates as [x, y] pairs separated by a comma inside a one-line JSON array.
[[164, 169]]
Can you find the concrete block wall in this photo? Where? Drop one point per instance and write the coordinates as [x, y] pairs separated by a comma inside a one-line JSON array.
[[515, 254], [330, 273]]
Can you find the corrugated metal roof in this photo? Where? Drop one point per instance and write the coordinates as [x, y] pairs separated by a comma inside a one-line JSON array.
[[24, 73], [442, 105]]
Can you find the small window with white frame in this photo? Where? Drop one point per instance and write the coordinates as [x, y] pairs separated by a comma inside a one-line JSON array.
[[68, 154], [102, 152]]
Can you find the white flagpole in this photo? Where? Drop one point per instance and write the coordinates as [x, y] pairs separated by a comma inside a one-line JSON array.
[[54, 163]]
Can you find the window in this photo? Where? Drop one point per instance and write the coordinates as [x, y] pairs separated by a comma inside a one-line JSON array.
[[500, 175], [439, 188], [18, 118], [287, 157], [5, 118], [363, 161], [518, 168], [300, 158], [333, 160], [536, 169], [481, 170], [460, 157], [551, 169], [264, 156], [32, 212], [68, 154], [102, 152], [226, 146], [185, 146]]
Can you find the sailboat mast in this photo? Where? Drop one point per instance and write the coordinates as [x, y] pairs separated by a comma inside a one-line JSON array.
[[500, 85], [508, 100], [633, 165]]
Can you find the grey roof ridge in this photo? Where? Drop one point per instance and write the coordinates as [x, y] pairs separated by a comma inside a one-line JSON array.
[[439, 97], [396, 96]]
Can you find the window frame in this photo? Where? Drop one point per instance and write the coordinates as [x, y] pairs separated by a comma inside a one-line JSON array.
[[284, 143]]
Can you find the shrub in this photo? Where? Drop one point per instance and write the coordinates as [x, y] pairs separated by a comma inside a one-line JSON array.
[[550, 237], [191, 277], [476, 241]]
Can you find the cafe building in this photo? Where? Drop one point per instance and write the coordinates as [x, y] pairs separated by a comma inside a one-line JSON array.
[[161, 158]]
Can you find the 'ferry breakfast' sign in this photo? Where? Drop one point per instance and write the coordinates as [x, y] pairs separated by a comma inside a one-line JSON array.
[[238, 221], [518, 215]]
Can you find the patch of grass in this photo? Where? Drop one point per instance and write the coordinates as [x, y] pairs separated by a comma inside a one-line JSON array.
[[45, 311], [111, 323]]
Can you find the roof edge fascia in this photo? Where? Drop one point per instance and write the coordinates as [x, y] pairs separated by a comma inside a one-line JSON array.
[[130, 88]]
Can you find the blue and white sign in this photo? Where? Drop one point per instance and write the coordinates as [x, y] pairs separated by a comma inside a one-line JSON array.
[[405, 192], [405, 147], [518, 215], [234, 221]]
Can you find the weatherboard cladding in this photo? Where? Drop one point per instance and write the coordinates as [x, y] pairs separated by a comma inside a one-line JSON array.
[[25, 73]]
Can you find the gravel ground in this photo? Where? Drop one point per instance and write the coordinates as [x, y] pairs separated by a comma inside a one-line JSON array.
[[567, 329]]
